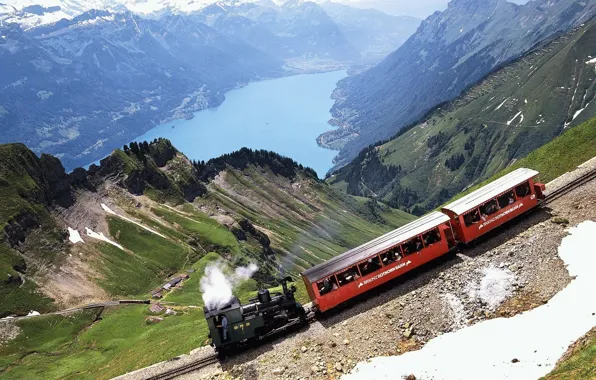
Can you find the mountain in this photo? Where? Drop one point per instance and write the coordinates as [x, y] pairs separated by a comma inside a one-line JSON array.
[[297, 30], [79, 87], [450, 51], [147, 212], [503, 118], [372, 32]]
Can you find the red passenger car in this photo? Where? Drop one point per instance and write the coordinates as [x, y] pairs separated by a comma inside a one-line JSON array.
[[494, 204], [378, 261]]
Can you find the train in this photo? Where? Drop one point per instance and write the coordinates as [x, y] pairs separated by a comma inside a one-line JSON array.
[[235, 325], [333, 282]]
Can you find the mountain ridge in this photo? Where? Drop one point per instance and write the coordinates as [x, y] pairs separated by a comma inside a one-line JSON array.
[[147, 212], [491, 125], [450, 51]]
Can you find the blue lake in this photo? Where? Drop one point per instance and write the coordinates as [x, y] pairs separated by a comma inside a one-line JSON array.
[[283, 115]]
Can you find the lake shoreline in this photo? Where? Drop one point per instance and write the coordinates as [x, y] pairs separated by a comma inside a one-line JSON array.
[[284, 115]]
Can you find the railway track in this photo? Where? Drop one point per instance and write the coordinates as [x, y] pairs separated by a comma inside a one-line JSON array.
[[587, 177], [188, 368]]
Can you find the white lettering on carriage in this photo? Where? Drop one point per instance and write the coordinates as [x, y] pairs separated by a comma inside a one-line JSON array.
[[500, 216], [383, 274]]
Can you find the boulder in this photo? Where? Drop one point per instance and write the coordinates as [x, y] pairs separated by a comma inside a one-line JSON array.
[[278, 371]]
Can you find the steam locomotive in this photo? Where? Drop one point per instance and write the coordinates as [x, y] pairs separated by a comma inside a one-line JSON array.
[[235, 325]]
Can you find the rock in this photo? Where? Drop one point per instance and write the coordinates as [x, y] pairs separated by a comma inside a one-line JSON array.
[[278, 371], [514, 360], [153, 320], [338, 367], [303, 349], [408, 333], [411, 377], [333, 344], [314, 369], [346, 342]]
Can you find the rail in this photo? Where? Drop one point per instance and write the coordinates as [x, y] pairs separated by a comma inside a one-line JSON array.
[[190, 367], [587, 177]]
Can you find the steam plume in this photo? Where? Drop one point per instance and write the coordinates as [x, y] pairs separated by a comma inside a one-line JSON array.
[[218, 282]]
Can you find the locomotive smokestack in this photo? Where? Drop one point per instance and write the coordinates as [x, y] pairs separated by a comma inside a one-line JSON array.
[[219, 281]]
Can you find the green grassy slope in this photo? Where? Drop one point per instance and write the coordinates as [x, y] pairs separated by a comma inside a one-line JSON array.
[[581, 362], [500, 120], [563, 154], [295, 220], [23, 201]]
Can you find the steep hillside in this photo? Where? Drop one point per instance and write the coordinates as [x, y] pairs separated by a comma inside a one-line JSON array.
[[498, 121], [450, 51], [124, 227]]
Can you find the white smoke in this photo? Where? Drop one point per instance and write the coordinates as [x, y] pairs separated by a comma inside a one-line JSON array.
[[218, 282], [244, 273]]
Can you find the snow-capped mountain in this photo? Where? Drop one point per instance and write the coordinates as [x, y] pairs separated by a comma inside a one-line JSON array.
[[78, 88]]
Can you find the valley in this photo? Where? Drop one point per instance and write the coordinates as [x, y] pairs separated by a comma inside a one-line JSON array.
[[234, 143], [105, 74]]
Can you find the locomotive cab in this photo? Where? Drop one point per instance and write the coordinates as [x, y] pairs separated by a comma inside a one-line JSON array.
[[235, 324]]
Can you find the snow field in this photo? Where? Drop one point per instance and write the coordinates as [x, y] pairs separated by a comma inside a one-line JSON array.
[[523, 347]]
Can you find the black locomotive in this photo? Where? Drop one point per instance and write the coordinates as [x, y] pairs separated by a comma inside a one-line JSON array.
[[234, 324]]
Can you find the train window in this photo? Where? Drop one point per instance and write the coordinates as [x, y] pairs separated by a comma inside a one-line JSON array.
[[370, 265], [522, 190], [472, 217], [327, 285], [489, 208], [431, 237], [391, 256], [348, 276], [506, 199], [412, 246]]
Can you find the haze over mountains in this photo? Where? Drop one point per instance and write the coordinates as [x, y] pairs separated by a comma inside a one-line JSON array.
[[90, 82], [449, 52]]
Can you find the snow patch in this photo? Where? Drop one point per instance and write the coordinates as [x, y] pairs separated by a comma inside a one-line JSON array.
[[536, 338], [101, 236], [33, 313], [502, 104], [514, 117], [455, 307], [109, 211], [74, 236], [494, 287]]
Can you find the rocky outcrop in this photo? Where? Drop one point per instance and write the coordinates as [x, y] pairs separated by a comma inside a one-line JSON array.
[[17, 228], [57, 187], [263, 239]]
